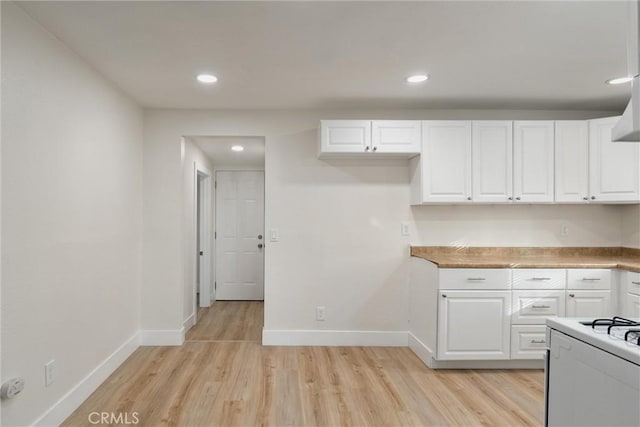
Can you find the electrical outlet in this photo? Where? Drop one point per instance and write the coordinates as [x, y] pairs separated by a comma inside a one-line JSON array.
[[404, 228], [320, 313], [49, 373]]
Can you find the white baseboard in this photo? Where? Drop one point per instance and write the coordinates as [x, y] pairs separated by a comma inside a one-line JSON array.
[[189, 323], [487, 364], [421, 350], [159, 337], [81, 391], [334, 338]]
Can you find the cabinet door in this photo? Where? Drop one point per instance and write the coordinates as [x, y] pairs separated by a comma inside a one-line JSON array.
[[492, 146], [630, 294], [533, 145], [345, 136], [395, 136], [446, 161], [614, 167], [473, 325], [589, 304], [572, 161]]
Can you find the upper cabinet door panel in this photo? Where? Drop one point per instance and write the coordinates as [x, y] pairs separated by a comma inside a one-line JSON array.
[[572, 161], [492, 161], [614, 166], [396, 136], [533, 161], [446, 157], [345, 136]]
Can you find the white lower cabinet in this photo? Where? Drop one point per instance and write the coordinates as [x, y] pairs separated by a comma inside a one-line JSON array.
[[589, 303], [533, 307], [631, 294], [528, 341], [474, 325]]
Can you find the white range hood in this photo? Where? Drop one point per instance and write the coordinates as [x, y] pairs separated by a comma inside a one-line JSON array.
[[628, 128]]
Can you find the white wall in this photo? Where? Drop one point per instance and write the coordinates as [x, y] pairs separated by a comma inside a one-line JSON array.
[[631, 226], [518, 225], [191, 155], [339, 220], [71, 216]]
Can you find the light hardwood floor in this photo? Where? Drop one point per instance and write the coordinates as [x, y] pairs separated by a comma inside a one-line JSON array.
[[229, 321], [235, 383]]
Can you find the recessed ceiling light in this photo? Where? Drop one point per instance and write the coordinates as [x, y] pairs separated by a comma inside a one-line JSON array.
[[207, 78], [237, 148], [418, 78], [619, 80]]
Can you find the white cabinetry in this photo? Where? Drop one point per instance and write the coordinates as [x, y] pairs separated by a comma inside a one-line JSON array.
[[345, 136], [572, 161], [492, 143], [614, 167], [630, 294], [537, 294], [474, 324], [367, 137], [395, 136], [589, 293], [442, 174], [533, 153]]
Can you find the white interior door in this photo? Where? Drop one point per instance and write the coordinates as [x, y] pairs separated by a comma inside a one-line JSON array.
[[239, 235]]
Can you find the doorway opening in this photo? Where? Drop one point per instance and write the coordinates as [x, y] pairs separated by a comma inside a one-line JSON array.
[[233, 264]]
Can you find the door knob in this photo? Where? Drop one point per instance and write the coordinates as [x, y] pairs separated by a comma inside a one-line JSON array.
[[201, 253], [259, 245], [259, 236]]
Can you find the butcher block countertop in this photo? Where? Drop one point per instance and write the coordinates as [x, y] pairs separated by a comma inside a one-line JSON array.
[[530, 257]]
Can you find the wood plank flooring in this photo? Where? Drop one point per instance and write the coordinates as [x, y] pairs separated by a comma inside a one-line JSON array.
[[234, 383], [229, 321]]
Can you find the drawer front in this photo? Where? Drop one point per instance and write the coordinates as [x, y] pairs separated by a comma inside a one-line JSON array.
[[533, 307], [475, 278], [528, 342], [633, 283], [539, 278], [588, 278]]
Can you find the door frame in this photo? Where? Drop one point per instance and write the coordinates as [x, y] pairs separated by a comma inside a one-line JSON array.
[[204, 284]]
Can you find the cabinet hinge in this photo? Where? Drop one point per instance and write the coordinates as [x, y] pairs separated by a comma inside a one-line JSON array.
[[215, 185], [215, 234]]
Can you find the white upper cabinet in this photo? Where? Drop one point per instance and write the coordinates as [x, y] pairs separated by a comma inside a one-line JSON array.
[[572, 161], [345, 136], [533, 145], [614, 167], [367, 137], [492, 143], [442, 174], [395, 136]]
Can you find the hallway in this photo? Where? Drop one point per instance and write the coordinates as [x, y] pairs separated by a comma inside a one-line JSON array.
[[229, 321]]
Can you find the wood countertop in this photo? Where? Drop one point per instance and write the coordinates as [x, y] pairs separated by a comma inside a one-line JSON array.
[[530, 257]]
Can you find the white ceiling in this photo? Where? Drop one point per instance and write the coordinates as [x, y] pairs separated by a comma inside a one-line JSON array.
[[218, 150], [538, 55]]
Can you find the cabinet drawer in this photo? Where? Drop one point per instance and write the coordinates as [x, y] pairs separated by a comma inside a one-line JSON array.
[[539, 278], [533, 307], [528, 342], [588, 278], [633, 283], [475, 278]]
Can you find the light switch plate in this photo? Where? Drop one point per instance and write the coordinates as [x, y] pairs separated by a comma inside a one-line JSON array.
[[274, 235], [404, 228]]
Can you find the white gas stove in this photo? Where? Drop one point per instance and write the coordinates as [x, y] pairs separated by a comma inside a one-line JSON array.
[[592, 372]]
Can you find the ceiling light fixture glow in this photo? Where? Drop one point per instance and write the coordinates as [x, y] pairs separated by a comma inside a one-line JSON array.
[[237, 148], [619, 80], [418, 78], [207, 78]]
